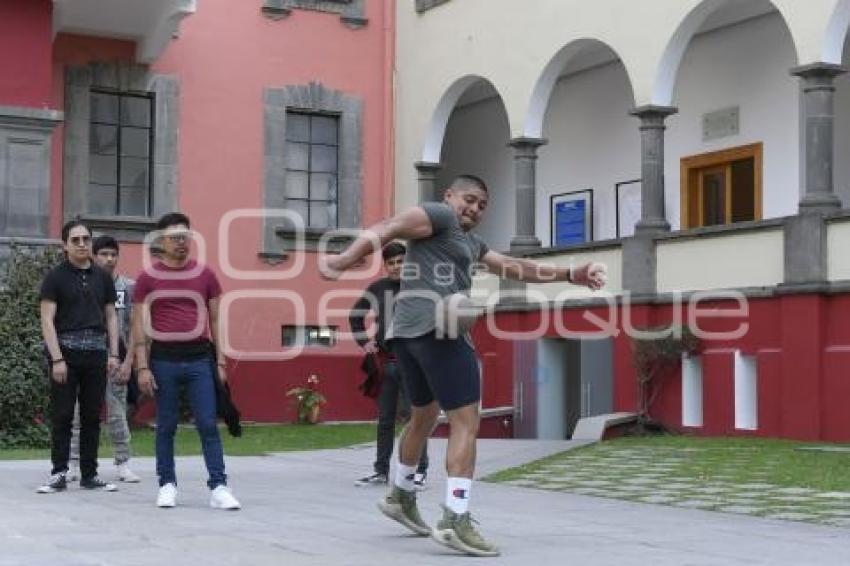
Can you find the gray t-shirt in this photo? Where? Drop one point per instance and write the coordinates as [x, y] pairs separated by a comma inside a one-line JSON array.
[[434, 267], [124, 290]]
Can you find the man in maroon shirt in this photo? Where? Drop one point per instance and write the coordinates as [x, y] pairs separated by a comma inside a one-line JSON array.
[[175, 325]]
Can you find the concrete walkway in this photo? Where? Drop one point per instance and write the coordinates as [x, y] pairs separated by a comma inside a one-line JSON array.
[[302, 508]]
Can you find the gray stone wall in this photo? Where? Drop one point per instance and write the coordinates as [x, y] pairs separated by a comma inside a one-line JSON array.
[[314, 97], [120, 77], [25, 170], [351, 12]]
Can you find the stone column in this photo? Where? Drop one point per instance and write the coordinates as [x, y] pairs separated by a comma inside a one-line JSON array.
[[427, 179], [652, 129], [525, 174], [817, 130], [639, 263]]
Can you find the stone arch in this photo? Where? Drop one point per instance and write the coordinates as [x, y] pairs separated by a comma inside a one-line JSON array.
[[664, 82], [541, 95]]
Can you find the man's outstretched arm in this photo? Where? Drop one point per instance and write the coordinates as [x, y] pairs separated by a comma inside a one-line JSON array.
[[412, 224], [591, 275]]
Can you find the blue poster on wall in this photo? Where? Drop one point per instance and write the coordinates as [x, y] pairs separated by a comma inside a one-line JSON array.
[[570, 222], [571, 218]]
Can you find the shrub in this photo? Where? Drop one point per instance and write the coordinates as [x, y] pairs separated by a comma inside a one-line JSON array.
[[655, 358], [24, 391]]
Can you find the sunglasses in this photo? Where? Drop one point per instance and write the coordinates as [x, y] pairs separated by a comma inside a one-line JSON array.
[[80, 240], [179, 238]]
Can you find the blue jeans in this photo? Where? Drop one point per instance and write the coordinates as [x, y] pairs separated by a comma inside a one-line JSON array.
[[197, 376]]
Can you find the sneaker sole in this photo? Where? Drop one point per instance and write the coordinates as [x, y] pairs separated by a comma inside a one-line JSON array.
[[231, 508], [447, 537], [394, 512], [46, 490]]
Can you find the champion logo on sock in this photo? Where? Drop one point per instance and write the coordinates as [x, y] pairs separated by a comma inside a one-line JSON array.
[[409, 477], [459, 493]]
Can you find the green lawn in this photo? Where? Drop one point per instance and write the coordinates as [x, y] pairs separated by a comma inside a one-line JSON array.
[[255, 440], [735, 460], [765, 478]]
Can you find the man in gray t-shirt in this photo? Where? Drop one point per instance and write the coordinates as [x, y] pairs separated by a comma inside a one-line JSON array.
[[435, 267], [442, 372]]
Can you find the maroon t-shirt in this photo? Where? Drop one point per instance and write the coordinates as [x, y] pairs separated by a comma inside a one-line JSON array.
[[177, 297]]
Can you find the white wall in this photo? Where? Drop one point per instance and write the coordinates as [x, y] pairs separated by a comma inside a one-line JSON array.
[[593, 144], [842, 133], [468, 37], [476, 142], [837, 237], [725, 261], [745, 65]]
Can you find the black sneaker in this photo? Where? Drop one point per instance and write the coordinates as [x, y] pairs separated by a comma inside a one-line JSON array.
[[374, 479], [98, 484], [56, 482]]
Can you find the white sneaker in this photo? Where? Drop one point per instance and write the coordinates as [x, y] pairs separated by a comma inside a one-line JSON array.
[[167, 496], [125, 474], [73, 473], [222, 498], [419, 481]]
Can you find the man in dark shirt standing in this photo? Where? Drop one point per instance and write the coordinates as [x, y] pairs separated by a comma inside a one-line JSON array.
[[80, 329], [378, 297]]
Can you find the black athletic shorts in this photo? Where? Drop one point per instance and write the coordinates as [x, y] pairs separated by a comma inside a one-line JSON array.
[[443, 369]]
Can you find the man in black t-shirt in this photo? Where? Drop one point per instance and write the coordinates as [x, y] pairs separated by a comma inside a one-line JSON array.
[[378, 297], [80, 329]]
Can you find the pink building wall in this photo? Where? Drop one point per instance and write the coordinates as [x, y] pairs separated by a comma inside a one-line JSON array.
[[226, 54]]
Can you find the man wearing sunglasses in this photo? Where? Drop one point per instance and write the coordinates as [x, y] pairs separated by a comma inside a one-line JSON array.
[[80, 329], [175, 326], [106, 252]]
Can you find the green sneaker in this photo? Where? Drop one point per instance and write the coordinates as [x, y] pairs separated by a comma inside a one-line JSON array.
[[457, 532], [400, 505]]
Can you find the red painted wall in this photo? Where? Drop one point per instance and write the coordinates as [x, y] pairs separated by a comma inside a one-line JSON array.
[[801, 344], [25, 46]]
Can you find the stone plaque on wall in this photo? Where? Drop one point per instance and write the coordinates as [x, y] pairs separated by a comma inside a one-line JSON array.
[[721, 123]]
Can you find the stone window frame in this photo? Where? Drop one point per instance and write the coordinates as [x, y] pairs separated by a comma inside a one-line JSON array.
[[351, 12], [279, 237], [25, 155], [120, 77], [425, 5]]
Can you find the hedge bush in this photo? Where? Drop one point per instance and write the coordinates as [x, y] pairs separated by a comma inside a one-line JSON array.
[[24, 391]]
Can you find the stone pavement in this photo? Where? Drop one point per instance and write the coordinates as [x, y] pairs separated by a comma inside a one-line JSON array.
[[652, 475], [302, 509]]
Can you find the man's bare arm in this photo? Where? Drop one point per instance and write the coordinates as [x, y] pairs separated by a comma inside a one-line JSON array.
[[138, 339], [591, 275], [412, 224], [48, 329], [111, 328]]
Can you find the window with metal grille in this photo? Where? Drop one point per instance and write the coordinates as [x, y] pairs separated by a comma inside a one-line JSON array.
[[308, 336], [312, 168], [120, 150]]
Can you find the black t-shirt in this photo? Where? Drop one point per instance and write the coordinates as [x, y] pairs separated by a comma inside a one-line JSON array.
[[80, 296], [382, 292]]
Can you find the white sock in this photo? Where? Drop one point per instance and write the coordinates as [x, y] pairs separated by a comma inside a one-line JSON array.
[[404, 476], [457, 494]]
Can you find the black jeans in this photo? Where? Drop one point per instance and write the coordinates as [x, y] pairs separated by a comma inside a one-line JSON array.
[[388, 404], [87, 383]]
